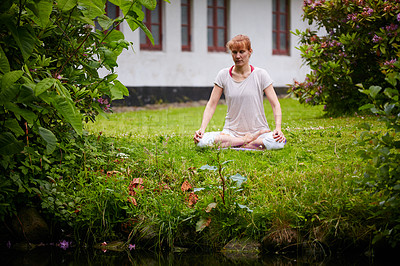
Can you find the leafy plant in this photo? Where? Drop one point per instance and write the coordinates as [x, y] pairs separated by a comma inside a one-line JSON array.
[[381, 150], [50, 55], [361, 41]]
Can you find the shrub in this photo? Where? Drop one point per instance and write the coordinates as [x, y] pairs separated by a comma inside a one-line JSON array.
[[360, 42], [50, 55]]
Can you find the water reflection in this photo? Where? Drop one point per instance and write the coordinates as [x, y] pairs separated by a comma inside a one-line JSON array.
[[44, 256]]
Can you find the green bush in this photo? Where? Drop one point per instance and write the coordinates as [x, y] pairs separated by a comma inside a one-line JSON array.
[[50, 55], [357, 42]]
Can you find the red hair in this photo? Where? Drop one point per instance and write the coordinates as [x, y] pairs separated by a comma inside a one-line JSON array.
[[239, 42]]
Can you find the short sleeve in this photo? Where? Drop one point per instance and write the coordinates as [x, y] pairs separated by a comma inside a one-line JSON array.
[[265, 79], [220, 80]]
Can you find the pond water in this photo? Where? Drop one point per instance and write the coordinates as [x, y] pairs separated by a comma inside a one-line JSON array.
[[56, 256]]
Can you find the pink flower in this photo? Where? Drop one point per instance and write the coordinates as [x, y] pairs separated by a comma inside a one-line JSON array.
[[376, 38], [132, 246]]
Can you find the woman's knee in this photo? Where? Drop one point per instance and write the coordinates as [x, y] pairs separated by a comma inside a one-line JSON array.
[[208, 139], [271, 144]]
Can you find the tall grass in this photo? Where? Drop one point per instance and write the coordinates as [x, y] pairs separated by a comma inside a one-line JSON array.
[[309, 187]]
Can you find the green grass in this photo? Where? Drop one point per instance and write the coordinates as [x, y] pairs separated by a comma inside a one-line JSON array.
[[309, 186]]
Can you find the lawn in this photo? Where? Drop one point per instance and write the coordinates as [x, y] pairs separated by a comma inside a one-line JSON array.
[[307, 193]]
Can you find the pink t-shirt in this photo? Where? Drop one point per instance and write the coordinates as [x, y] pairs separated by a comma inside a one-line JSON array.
[[245, 101]]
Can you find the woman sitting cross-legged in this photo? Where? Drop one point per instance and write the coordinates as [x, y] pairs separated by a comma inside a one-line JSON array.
[[245, 123]]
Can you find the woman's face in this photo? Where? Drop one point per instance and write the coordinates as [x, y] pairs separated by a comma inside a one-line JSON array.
[[241, 56]]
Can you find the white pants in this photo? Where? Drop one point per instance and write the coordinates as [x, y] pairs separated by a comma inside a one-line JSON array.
[[269, 142]]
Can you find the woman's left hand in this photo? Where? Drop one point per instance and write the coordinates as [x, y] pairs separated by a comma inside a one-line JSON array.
[[278, 135]]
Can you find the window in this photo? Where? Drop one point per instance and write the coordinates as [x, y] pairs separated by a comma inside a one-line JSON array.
[[280, 27], [216, 25], [186, 24], [112, 11], [153, 21]]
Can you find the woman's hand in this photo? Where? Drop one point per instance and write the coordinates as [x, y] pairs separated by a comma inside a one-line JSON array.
[[278, 136], [198, 135]]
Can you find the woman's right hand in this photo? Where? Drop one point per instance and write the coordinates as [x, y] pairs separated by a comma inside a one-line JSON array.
[[198, 135]]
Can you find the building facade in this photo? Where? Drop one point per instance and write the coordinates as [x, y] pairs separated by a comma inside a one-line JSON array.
[[189, 50]]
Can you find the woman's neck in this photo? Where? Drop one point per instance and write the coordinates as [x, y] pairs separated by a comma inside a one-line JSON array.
[[242, 70]]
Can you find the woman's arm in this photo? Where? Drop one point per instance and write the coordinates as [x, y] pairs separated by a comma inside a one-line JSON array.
[[209, 111], [276, 109]]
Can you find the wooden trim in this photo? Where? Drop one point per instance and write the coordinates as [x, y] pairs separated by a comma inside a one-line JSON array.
[[279, 30], [215, 27], [149, 24], [188, 47]]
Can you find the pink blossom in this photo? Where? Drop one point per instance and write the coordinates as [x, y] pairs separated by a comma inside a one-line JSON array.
[[376, 38]]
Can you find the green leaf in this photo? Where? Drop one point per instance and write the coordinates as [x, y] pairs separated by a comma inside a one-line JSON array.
[[24, 39], [118, 91], [374, 90], [12, 124], [49, 138], [105, 22], [25, 94], [133, 23], [28, 115], [66, 5], [10, 78], [366, 106], [9, 145], [208, 167], [239, 179], [44, 85], [4, 64], [40, 11], [69, 112], [92, 8], [149, 4]]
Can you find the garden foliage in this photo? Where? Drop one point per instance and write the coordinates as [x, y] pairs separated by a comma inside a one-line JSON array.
[[355, 66], [357, 41], [50, 56]]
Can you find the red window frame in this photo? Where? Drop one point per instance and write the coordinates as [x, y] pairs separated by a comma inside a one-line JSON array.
[[276, 32], [186, 28], [147, 45], [214, 27]]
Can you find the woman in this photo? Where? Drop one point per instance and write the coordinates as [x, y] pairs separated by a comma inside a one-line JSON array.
[[245, 122]]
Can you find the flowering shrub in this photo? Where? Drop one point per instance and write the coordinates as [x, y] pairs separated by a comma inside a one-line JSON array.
[[50, 54], [359, 44]]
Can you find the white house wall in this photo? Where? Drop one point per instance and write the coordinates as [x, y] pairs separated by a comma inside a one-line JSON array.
[[173, 68]]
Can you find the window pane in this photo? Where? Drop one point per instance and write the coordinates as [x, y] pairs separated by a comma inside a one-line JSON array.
[[155, 30], [184, 15], [185, 34], [210, 17], [274, 22], [274, 46], [221, 17], [210, 37], [221, 3], [142, 37], [282, 24], [282, 41], [185, 2], [282, 6], [210, 2], [144, 11], [155, 15], [274, 5], [221, 37], [111, 10]]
